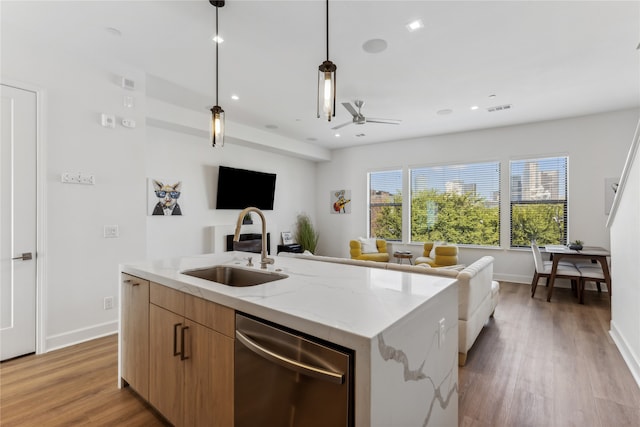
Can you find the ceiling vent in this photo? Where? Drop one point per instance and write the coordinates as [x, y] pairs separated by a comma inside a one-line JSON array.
[[499, 108]]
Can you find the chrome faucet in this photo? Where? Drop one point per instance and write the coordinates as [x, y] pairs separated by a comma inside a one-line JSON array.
[[264, 260]]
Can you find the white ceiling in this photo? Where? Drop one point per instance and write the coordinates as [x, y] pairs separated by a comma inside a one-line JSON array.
[[547, 59]]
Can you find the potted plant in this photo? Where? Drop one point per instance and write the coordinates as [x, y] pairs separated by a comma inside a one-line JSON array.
[[306, 235], [576, 245], [247, 218]]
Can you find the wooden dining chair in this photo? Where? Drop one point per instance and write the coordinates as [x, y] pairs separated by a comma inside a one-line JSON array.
[[543, 269]]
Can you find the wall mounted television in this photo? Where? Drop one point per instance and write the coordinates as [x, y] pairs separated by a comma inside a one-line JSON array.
[[241, 188]]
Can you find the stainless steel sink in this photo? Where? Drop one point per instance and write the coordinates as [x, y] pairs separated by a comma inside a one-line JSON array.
[[234, 276]]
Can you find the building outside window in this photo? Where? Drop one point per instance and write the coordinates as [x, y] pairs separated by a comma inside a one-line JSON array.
[[385, 205], [458, 204], [538, 205]]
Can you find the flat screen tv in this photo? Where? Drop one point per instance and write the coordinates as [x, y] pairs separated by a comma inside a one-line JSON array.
[[241, 188]]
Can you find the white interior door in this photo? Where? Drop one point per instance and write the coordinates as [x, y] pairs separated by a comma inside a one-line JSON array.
[[18, 124]]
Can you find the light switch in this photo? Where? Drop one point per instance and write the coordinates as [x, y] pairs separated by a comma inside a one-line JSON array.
[[111, 231], [77, 178]]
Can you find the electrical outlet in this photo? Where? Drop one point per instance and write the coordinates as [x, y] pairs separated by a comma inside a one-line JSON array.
[[108, 303], [441, 332]]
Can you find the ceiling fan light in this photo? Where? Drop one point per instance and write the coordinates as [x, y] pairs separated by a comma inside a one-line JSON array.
[[216, 127]]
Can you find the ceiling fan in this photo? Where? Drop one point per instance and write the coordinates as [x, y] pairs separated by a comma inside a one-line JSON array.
[[359, 119]]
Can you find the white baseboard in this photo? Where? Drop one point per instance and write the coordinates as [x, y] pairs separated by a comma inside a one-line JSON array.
[[513, 278], [628, 355], [78, 336]]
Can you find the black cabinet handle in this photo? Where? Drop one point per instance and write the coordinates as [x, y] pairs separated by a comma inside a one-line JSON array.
[[182, 353], [175, 340]]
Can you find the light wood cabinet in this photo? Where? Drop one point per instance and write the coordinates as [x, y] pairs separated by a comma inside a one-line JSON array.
[[134, 331], [191, 358]]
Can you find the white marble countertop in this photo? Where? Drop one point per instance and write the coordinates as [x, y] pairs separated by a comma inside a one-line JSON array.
[[336, 302]]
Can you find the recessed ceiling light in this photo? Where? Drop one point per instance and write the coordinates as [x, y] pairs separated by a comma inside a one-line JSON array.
[[113, 31], [337, 135], [415, 25], [359, 135], [493, 95], [444, 112], [374, 46], [474, 107], [235, 97], [271, 126], [217, 39]]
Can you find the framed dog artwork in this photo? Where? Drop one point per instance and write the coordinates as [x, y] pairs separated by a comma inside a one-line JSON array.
[[164, 197]]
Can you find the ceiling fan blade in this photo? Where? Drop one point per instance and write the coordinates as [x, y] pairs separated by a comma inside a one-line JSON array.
[[342, 125], [350, 109], [385, 121]]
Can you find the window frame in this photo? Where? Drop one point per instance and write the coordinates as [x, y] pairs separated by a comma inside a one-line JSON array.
[[564, 202], [492, 162], [396, 205]]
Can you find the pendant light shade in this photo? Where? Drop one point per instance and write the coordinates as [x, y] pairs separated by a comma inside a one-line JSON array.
[[216, 125], [327, 89], [327, 83]]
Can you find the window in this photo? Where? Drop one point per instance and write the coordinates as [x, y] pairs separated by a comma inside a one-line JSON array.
[[385, 205], [539, 201], [456, 203]]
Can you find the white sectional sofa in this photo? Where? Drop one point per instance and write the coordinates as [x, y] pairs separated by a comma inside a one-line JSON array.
[[478, 293]]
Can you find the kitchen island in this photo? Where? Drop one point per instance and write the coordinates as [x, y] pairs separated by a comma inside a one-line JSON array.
[[402, 327]]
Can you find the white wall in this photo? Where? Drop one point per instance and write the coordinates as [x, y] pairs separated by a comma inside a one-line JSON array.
[[192, 160], [80, 266], [596, 146], [625, 247]]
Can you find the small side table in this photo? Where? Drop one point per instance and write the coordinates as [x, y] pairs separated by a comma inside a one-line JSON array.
[[400, 255]]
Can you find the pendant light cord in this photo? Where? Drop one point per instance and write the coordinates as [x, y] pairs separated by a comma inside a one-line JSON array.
[[217, 43], [327, 30]]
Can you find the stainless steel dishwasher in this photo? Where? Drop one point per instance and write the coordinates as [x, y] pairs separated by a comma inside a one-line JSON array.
[[285, 379]]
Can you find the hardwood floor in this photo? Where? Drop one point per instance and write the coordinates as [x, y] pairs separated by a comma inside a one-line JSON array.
[[547, 364], [74, 386], [536, 364]]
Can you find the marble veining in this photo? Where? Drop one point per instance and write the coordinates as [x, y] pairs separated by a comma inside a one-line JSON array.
[[390, 353]]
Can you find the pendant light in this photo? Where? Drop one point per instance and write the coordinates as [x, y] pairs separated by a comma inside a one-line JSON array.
[[217, 113], [327, 83]]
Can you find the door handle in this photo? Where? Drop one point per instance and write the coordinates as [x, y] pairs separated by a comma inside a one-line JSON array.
[[26, 256]]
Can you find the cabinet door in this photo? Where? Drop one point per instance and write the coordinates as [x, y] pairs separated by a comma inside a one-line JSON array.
[[134, 330], [208, 378], [165, 368]]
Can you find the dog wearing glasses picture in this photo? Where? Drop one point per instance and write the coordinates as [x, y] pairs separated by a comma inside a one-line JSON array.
[[167, 198]]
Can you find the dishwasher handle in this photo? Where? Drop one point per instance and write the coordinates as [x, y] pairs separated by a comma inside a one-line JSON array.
[[294, 365]]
